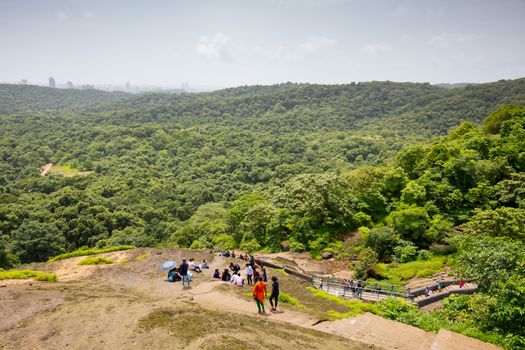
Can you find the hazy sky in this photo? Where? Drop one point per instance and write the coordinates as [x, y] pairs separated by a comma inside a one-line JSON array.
[[229, 43]]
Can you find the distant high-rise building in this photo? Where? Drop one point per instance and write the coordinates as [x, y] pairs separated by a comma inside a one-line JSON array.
[[70, 85], [23, 82], [52, 83], [128, 86], [185, 86]]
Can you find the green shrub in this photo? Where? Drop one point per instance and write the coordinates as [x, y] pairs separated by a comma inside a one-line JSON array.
[[25, 274], [423, 255], [297, 247], [85, 252], [406, 251], [250, 246], [382, 240], [224, 241], [288, 299], [392, 308], [95, 261]]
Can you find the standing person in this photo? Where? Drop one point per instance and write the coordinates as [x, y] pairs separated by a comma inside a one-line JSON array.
[[249, 274], [256, 273], [264, 276], [184, 272], [441, 284], [259, 292], [359, 290], [461, 283], [275, 293]]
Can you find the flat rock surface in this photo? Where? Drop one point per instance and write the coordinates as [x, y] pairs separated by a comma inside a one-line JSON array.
[[387, 334], [447, 340]]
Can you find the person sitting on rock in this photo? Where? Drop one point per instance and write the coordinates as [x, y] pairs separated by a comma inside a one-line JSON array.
[[194, 267], [239, 282], [204, 264], [217, 274]]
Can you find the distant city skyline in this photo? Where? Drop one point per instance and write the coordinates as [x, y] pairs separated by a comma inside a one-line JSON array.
[[217, 44]]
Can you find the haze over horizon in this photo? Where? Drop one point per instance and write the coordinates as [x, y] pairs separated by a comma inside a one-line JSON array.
[[231, 43]]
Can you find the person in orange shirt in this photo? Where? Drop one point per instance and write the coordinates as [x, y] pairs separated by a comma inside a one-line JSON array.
[[259, 292]]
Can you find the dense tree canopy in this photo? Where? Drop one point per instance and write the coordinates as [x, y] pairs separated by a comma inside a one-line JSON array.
[[407, 168]]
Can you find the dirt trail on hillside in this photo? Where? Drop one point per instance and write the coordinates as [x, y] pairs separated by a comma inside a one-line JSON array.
[[45, 169]]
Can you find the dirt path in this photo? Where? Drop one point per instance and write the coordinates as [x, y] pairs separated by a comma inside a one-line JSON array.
[[45, 169]]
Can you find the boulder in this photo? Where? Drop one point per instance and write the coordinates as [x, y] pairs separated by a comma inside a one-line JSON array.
[[285, 246], [327, 255]]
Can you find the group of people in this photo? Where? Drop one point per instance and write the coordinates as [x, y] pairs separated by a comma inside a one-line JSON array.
[[255, 276], [355, 286], [182, 273], [441, 285], [259, 293]]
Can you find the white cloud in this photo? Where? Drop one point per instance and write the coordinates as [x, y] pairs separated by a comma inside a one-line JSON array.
[[375, 48], [445, 40], [62, 15], [220, 47], [315, 43]]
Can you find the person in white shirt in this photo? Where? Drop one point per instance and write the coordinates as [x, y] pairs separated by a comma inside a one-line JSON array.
[[239, 281], [249, 274], [194, 267]]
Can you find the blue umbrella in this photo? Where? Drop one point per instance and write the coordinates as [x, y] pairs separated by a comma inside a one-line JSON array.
[[168, 265]]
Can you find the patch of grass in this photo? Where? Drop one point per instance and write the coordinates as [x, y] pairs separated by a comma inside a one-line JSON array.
[[400, 273], [25, 274], [354, 307], [290, 300], [142, 257], [281, 271], [188, 323], [123, 261], [67, 171], [86, 252], [95, 261], [340, 315], [227, 342]]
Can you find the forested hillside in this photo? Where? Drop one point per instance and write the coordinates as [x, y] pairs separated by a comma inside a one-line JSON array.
[[155, 159], [24, 98]]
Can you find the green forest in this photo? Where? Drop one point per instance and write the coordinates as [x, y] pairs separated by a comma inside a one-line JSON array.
[[409, 171]]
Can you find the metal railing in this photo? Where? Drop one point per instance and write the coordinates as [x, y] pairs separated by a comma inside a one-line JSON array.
[[373, 291]]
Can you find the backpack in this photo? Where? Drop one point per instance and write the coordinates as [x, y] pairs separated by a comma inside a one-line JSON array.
[[171, 276]]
